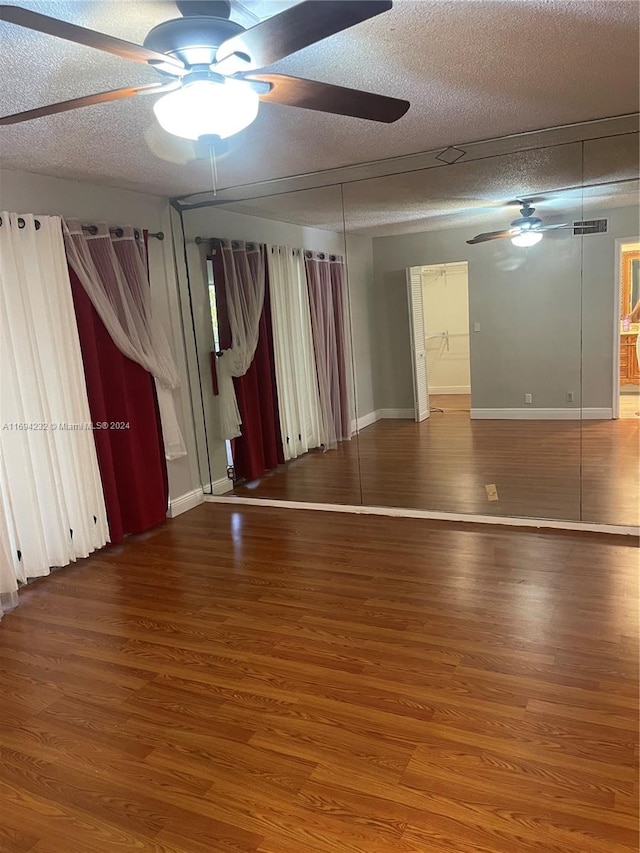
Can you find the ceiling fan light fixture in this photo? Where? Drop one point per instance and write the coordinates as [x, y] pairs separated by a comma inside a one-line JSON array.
[[208, 108], [526, 238]]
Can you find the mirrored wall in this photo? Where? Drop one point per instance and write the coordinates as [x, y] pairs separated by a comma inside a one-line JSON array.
[[458, 338]]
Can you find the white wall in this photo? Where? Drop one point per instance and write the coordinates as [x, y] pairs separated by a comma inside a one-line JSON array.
[[545, 314], [445, 299], [25, 192]]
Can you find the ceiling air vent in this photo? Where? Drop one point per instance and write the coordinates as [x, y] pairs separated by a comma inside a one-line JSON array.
[[589, 226]]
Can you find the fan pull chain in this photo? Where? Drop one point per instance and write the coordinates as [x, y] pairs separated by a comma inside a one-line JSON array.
[[214, 169]]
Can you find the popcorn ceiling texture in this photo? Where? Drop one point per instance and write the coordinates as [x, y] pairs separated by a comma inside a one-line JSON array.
[[383, 207], [472, 69]]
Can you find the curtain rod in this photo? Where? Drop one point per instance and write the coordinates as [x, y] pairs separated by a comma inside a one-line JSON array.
[[250, 244], [308, 253], [200, 240], [93, 229], [119, 232]]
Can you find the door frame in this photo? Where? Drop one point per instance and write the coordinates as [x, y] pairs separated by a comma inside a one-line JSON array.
[[414, 305], [617, 293]]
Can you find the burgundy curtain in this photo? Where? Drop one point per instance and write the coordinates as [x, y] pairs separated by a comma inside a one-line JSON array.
[[131, 458], [259, 448]]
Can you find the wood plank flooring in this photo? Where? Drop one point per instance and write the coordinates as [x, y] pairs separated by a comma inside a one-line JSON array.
[[254, 680], [573, 470]]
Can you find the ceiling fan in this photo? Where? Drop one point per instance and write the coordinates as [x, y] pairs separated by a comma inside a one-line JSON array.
[[210, 66], [525, 231]]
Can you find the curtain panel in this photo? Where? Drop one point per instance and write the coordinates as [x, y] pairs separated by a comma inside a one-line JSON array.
[[52, 508], [112, 270], [295, 367], [244, 284], [329, 312], [258, 448], [340, 297], [131, 456]]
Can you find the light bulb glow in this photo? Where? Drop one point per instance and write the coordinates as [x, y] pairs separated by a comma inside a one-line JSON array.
[[526, 238], [206, 107]]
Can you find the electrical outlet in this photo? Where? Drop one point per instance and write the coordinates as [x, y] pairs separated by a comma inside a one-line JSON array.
[[528, 398], [476, 326], [569, 396]]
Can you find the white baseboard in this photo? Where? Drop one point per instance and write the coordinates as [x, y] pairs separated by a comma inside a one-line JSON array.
[[597, 414], [185, 502], [221, 486], [399, 512], [449, 389], [380, 414], [365, 420], [192, 499], [397, 413], [531, 414]]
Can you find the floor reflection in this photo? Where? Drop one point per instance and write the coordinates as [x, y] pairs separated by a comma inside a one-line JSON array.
[[543, 469]]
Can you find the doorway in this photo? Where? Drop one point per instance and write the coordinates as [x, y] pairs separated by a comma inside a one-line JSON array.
[[627, 330], [439, 302]]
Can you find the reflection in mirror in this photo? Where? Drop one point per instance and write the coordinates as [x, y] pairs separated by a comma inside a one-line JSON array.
[[490, 325], [611, 375], [269, 296], [477, 393]]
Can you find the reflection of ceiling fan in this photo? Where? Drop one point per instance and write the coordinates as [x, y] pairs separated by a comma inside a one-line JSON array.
[[207, 64], [525, 231]]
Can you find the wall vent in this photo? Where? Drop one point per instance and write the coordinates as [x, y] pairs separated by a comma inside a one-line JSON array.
[[589, 226]]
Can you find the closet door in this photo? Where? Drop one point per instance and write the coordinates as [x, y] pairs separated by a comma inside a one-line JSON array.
[[418, 352]]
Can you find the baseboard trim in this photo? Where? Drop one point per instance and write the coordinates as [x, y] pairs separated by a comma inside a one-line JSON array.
[[597, 414], [381, 414], [450, 389], [397, 413], [399, 512], [365, 420], [221, 486], [185, 502], [529, 414]]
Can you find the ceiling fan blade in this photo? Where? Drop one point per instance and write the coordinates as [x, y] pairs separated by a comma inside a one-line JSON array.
[[89, 100], [82, 35], [311, 95], [554, 227], [490, 235], [295, 28]]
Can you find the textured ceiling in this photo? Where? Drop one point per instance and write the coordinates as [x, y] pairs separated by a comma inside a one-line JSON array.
[[369, 211], [467, 193], [472, 69]]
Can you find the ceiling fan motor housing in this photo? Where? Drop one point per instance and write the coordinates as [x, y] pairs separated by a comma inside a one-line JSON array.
[[194, 40], [528, 220]]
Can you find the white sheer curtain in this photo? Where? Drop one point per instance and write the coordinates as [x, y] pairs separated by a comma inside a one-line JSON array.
[[52, 507], [9, 562], [112, 271], [244, 273], [298, 399]]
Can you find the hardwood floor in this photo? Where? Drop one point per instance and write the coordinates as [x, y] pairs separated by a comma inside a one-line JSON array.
[[252, 679], [575, 470]]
